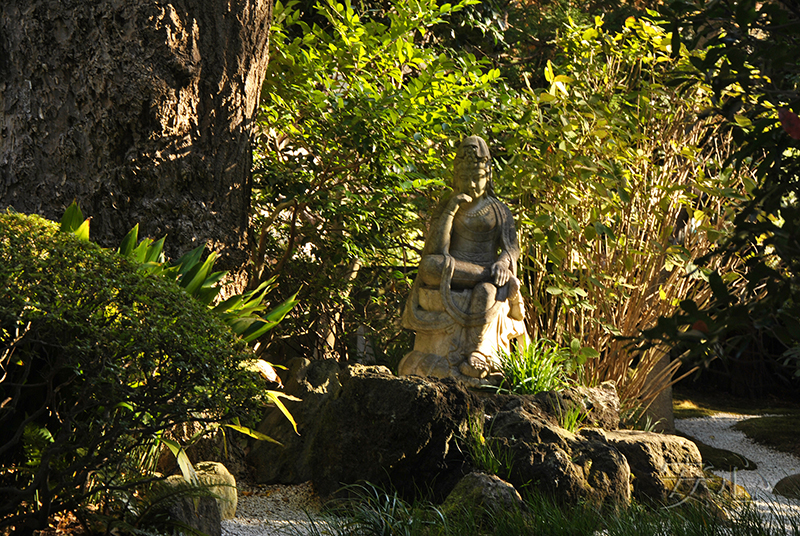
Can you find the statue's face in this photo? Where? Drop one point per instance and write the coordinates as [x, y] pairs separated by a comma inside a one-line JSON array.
[[472, 180], [471, 174]]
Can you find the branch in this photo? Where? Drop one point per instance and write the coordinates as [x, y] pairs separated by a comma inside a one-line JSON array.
[[292, 235], [262, 241]]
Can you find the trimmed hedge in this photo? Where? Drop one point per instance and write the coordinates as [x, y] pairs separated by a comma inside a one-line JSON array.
[[97, 359]]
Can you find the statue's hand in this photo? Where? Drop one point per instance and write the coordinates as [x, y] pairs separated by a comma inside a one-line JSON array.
[[458, 200], [501, 274]]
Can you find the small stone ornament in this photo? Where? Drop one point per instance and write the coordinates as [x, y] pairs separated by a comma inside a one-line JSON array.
[[465, 305]]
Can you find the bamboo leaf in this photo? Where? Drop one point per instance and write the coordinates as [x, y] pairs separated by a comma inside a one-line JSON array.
[[82, 231], [255, 434], [154, 251], [187, 469], [128, 243], [200, 276], [257, 329], [72, 218], [275, 397], [277, 314], [190, 260]]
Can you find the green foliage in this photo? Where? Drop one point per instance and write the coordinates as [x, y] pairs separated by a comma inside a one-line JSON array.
[[375, 512], [745, 58], [356, 117], [98, 359], [571, 418], [616, 195], [539, 366], [615, 192], [146, 510], [487, 454], [371, 510], [196, 276]]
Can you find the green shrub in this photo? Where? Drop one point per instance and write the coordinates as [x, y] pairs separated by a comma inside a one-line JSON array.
[[618, 195], [97, 360]]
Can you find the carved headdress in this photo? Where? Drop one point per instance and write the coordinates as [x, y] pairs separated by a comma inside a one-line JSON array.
[[474, 152]]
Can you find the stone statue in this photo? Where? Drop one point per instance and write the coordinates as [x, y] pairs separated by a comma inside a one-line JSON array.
[[465, 304]]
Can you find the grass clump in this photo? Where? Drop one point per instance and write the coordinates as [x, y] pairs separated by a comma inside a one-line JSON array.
[[541, 365], [373, 512]]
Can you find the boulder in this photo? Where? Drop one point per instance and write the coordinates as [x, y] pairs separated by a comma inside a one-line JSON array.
[[314, 383], [572, 472], [384, 429], [199, 513], [599, 406], [360, 423], [665, 468], [553, 460], [205, 443], [788, 487], [478, 492], [222, 484]]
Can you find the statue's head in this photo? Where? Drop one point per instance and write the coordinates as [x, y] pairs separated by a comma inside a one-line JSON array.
[[472, 168]]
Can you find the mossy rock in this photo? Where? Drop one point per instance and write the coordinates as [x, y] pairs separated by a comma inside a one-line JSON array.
[[721, 459], [780, 432], [788, 487]]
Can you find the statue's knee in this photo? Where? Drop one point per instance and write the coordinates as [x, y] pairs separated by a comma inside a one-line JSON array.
[[430, 269], [483, 296], [485, 289]]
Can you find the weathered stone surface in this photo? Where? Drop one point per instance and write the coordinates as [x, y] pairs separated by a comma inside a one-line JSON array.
[[222, 484], [572, 471], [665, 468], [478, 491], [385, 429], [362, 423], [520, 423], [314, 383], [788, 487], [200, 513], [598, 405]]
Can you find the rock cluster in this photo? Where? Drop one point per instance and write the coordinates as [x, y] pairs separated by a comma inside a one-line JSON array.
[[362, 423]]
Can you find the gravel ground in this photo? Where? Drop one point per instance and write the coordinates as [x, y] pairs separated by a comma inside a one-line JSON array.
[[274, 511], [288, 510], [772, 465]]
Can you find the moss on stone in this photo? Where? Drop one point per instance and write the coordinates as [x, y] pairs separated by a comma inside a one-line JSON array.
[[780, 432]]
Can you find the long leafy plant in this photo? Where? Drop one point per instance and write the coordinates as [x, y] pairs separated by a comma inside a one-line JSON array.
[[618, 195], [359, 110]]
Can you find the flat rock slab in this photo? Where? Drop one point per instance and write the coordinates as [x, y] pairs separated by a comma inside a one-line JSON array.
[[788, 487]]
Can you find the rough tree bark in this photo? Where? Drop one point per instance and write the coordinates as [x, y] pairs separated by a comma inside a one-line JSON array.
[[141, 110]]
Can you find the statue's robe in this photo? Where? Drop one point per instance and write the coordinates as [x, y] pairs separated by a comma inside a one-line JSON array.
[[447, 330]]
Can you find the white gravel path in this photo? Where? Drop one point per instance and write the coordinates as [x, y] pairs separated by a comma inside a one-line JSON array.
[[274, 511], [771, 465]]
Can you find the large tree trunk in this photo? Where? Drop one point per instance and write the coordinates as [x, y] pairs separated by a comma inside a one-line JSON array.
[[139, 109]]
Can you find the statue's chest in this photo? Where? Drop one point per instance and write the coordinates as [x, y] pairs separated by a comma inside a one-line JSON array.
[[480, 227]]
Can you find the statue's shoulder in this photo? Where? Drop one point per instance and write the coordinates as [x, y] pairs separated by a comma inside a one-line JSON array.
[[502, 209]]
